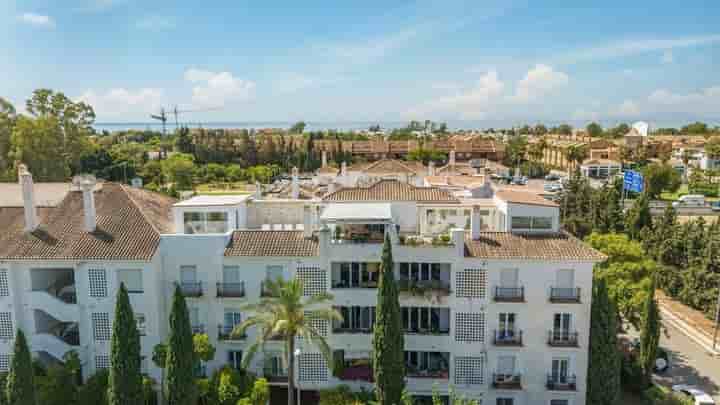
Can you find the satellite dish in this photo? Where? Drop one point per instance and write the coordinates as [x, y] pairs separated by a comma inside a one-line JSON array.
[[642, 128]]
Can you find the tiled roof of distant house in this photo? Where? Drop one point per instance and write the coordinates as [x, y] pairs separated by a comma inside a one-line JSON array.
[[271, 243], [391, 190], [507, 245]]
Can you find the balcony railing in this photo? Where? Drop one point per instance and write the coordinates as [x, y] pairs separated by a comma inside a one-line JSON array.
[[191, 288], [509, 294], [225, 332], [428, 332], [275, 374], [565, 295], [197, 329], [561, 382], [362, 331], [508, 338], [421, 287], [562, 338], [231, 290], [507, 381], [442, 374]]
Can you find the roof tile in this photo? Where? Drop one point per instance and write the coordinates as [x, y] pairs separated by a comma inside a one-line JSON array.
[[271, 243], [507, 245], [391, 190]]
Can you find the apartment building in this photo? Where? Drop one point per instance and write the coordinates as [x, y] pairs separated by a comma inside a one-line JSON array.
[[495, 298]]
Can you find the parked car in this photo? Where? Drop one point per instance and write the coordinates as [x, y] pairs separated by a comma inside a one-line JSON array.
[[553, 187], [715, 206], [690, 200], [552, 177], [698, 396]]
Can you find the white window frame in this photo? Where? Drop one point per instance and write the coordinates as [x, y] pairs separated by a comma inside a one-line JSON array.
[[131, 289]]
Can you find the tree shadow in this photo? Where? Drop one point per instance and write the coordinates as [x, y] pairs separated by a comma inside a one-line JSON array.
[[682, 372]]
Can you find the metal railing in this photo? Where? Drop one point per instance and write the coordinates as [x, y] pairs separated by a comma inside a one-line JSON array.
[[562, 338], [197, 329], [191, 288], [508, 338], [558, 382], [565, 295], [226, 332], [231, 290], [509, 294], [507, 381]]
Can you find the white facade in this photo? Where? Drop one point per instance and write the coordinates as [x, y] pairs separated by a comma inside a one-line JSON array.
[[491, 327]]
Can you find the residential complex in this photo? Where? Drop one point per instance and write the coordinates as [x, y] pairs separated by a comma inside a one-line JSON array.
[[495, 298]]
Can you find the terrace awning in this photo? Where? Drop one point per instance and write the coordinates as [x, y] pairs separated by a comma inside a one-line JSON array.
[[357, 213]]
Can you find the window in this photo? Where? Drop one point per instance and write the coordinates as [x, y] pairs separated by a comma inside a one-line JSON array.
[[559, 402], [102, 362], [533, 223], [509, 278], [274, 272], [101, 326], [132, 278], [234, 359], [356, 319], [565, 278], [4, 363], [4, 285], [188, 274], [194, 315], [231, 274], [520, 222], [560, 369], [97, 283], [233, 318], [506, 365], [561, 325], [426, 320], [506, 325], [471, 283], [140, 320], [6, 326], [356, 275], [505, 401], [542, 223], [205, 222]]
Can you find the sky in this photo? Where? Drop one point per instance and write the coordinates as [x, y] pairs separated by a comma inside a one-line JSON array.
[[496, 63]]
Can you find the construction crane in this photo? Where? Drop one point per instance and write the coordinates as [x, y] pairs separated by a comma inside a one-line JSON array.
[[163, 116]]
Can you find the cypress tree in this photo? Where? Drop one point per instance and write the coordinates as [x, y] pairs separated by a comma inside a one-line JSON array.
[[180, 360], [19, 386], [639, 217], [649, 334], [604, 362], [388, 338], [124, 380]]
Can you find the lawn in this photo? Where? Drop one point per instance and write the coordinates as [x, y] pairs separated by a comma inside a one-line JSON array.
[[683, 190]]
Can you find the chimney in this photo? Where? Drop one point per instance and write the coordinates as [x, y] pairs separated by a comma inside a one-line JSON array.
[[307, 221], [475, 223], [458, 239], [452, 158], [26, 182], [343, 169], [87, 185], [324, 158], [295, 184], [331, 188], [431, 168], [258, 191]]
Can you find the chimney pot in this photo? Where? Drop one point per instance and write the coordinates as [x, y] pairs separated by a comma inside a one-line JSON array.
[[87, 185], [307, 221], [28, 190], [295, 186], [475, 223]]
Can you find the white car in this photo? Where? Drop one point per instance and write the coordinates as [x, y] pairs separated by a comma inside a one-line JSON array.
[[698, 396]]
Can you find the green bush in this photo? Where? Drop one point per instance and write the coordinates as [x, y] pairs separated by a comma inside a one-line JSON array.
[[94, 391], [657, 395]]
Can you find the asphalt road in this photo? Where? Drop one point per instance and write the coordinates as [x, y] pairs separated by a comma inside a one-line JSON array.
[[689, 364]]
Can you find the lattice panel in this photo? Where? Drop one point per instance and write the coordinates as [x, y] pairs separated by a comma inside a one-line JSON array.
[[101, 326], [321, 325], [6, 326], [471, 283], [4, 284], [314, 280], [469, 370], [312, 368], [102, 362], [5, 363], [470, 327], [97, 283]]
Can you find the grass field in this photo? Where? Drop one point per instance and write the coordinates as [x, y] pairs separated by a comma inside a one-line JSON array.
[[683, 190]]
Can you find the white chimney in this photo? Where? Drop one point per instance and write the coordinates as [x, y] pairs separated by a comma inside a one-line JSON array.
[[343, 169], [307, 221], [26, 182], [475, 223], [87, 185], [431, 168], [258, 191], [457, 235], [295, 184], [452, 158], [324, 158]]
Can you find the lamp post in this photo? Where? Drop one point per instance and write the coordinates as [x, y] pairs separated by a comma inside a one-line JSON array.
[[297, 374]]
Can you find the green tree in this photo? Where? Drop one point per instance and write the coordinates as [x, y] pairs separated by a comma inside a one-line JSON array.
[[286, 314], [178, 169], [388, 338], [7, 122], [298, 127], [179, 387], [594, 130], [19, 385], [94, 391], [183, 141], [125, 379], [712, 147], [661, 177], [639, 219], [696, 128], [649, 334], [564, 129], [604, 362], [515, 150], [159, 359]]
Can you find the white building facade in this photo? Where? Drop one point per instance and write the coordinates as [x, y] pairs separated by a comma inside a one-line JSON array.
[[496, 307]]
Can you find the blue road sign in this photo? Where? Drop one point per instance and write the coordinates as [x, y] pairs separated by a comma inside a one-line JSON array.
[[633, 181]]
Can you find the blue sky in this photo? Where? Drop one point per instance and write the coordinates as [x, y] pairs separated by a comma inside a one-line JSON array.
[[493, 62]]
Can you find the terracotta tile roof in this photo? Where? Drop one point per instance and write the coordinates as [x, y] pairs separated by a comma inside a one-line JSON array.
[[523, 197], [129, 223], [271, 243], [391, 190], [507, 245], [458, 181], [393, 166]]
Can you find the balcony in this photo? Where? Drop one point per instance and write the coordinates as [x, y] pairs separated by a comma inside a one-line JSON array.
[[421, 288], [560, 295], [273, 369], [353, 331], [356, 370], [226, 333], [508, 338], [561, 382], [231, 290], [440, 374], [358, 233], [198, 329], [562, 338], [509, 294], [507, 381], [431, 365], [191, 288]]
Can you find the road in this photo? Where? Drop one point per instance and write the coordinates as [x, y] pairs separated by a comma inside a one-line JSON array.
[[689, 364]]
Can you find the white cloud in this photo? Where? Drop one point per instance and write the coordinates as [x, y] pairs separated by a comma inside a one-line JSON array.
[[37, 20], [367, 51], [637, 46], [628, 108], [705, 101], [156, 23], [538, 81], [217, 88], [124, 103], [473, 103], [667, 57]]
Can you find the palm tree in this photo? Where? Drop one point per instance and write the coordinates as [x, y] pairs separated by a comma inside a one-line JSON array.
[[576, 154], [284, 315]]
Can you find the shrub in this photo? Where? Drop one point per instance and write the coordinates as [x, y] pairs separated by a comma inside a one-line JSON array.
[[657, 395]]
